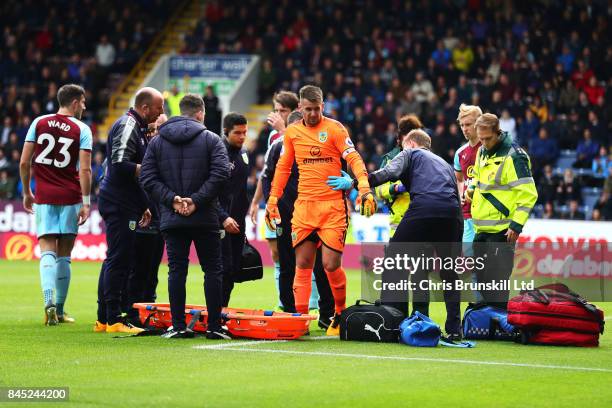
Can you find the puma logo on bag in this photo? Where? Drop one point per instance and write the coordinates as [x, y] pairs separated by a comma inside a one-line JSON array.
[[369, 328]]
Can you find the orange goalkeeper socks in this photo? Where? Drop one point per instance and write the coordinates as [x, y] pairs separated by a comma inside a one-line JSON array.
[[337, 282], [302, 285]]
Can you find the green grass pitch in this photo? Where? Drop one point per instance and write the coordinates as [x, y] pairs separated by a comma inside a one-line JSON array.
[[150, 371]]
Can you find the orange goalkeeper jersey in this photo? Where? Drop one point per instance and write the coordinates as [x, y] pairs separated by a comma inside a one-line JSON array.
[[317, 151]]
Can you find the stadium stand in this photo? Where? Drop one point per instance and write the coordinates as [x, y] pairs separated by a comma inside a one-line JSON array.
[[539, 65], [46, 44], [542, 66]]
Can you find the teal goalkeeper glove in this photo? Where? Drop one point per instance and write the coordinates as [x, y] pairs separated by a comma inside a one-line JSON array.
[[344, 182]]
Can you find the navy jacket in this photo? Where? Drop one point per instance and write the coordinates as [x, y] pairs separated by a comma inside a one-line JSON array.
[[233, 198], [429, 179], [125, 148], [186, 160]]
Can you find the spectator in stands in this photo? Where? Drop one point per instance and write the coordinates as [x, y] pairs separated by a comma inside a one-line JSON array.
[[212, 119], [13, 144], [508, 124], [581, 75], [601, 163], [441, 56], [105, 52], [13, 167], [267, 80], [422, 89], [7, 185], [549, 211], [593, 90], [463, 56], [5, 131], [543, 151], [586, 151], [573, 212], [4, 161], [540, 110], [598, 133], [568, 188], [126, 57], [528, 130], [547, 185], [568, 97], [596, 215], [566, 59], [409, 104]]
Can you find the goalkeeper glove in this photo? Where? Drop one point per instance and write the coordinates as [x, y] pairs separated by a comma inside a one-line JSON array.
[[344, 182], [366, 200], [272, 217], [367, 204]]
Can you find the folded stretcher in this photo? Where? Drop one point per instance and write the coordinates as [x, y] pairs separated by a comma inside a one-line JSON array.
[[247, 323]]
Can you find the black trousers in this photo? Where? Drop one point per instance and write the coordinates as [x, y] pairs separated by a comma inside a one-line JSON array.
[[120, 235], [428, 237], [101, 302], [498, 255], [231, 250], [208, 247], [286, 258], [141, 283]]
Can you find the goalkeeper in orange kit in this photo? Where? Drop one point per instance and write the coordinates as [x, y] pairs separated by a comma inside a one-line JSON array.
[[320, 217]]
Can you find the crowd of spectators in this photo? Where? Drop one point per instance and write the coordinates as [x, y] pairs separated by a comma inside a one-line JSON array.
[[542, 67], [45, 44]]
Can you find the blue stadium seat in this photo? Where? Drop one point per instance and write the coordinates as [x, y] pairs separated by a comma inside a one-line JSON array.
[[583, 172], [566, 159], [537, 211], [587, 210], [590, 195]]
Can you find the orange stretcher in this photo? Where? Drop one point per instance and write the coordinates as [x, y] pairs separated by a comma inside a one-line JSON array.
[[247, 323]]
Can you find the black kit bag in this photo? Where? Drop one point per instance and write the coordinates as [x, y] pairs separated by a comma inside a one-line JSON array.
[[370, 322], [251, 267]]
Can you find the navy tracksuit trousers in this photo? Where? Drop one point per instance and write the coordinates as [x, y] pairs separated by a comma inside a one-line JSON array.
[[121, 226], [208, 247]]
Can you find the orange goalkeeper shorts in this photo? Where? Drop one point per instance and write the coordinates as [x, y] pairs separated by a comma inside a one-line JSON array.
[[328, 219]]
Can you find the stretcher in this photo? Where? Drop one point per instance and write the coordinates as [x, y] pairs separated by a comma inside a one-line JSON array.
[[246, 323]]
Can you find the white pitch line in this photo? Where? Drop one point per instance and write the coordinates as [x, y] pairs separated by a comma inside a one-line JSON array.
[[236, 343], [231, 344], [435, 360]]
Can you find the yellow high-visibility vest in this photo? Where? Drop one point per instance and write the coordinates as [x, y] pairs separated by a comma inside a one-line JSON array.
[[504, 189]]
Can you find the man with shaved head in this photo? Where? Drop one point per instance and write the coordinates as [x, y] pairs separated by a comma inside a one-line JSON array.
[[123, 204]]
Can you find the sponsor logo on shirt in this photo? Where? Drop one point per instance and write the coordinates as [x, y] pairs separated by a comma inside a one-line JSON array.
[[319, 160]]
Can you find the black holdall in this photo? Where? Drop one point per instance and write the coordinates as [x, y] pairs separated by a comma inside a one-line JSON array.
[[251, 267], [370, 322]]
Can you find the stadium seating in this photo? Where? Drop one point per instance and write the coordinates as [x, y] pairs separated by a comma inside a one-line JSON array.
[[375, 62]]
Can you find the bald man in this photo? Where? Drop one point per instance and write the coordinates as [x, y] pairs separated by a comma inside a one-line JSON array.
[[123, 204]]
